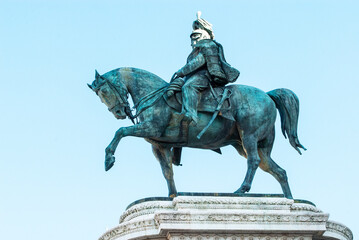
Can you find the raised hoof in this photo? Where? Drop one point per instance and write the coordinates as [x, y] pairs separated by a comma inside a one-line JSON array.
[[110, 161]]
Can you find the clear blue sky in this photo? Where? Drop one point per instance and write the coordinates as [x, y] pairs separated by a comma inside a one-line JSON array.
[[54, 129]]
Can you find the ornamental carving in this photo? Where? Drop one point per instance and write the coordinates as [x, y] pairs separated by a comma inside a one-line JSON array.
[[340, 229], [242, 217], [145, 209], [127, 228], [237, 237], [304, 207], [221, 202], [229, 216]]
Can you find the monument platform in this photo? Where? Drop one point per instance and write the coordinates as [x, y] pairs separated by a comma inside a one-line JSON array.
[[225, 217]]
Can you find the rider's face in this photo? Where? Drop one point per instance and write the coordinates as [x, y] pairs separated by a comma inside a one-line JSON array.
[[195, 38], [198, 35]]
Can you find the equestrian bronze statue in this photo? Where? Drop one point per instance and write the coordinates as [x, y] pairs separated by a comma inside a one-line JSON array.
[[198, 109]]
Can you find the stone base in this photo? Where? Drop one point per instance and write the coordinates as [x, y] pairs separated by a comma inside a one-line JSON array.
[[227, 217]]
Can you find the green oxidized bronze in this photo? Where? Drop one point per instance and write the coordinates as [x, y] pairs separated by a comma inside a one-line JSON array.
[[197, 110]]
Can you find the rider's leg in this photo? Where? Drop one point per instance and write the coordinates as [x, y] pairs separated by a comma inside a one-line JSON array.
[[191, 93]]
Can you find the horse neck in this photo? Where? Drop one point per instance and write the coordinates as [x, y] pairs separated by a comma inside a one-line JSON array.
[[140, 83]]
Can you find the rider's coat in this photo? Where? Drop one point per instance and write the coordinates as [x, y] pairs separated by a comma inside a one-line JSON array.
[[208, 55], [205, 66]]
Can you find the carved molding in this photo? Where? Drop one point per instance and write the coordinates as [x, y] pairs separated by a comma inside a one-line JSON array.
[[127, 228], [231, 202], [145, 209], [240, 218], [214, 203], [339, 229], [237, 237], [304, 207]]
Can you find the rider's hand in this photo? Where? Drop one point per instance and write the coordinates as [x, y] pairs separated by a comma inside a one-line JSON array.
[[170, 93], [179, 74], [175, 76]]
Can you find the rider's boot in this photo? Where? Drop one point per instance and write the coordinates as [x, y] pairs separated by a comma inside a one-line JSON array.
[[189, 110], [190, 118]]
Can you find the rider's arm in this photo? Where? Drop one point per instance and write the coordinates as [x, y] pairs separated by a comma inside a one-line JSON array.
[[192, 65]]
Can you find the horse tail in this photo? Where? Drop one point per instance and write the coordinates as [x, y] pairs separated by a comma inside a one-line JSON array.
[[287, 104]]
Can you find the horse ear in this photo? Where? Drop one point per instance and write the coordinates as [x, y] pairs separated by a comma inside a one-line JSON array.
[[97, 75]]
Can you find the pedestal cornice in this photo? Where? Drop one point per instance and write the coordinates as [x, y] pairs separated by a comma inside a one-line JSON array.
[[226, 217]]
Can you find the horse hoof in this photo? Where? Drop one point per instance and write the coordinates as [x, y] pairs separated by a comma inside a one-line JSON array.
[[242, 189], [173, 195], [109, 163], [289, 196], [239, 192]]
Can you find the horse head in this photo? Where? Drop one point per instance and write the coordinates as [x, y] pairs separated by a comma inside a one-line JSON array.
[[113, 93]]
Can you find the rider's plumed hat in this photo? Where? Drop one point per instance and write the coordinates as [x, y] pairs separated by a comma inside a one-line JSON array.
[[200, 23]]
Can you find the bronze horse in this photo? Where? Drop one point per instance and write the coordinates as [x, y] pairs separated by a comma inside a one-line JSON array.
[[251, 132]]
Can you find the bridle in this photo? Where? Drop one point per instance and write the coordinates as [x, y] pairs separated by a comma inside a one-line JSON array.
[[122, 101]]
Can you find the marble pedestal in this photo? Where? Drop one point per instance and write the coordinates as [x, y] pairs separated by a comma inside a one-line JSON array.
[[225, 218]]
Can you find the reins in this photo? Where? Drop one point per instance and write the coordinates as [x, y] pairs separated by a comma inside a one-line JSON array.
[[123, 101]]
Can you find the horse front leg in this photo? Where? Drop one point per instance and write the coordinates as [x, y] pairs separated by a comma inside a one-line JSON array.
[[144, 129], [164, 156]]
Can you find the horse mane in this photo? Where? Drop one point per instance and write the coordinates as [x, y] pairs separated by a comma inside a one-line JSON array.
[[130, 73]]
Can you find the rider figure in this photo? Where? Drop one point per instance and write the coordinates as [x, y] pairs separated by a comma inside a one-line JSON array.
[[205, 65]]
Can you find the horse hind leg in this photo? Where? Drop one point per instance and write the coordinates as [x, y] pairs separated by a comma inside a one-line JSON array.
[[164, 156], [268, 165], [250, 147]]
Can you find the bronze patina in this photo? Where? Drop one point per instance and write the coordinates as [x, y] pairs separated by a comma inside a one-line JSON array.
[[198, 110]]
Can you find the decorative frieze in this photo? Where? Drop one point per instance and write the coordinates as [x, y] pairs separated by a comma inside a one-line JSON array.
[[239, 218], [237, 237], [231, 203]]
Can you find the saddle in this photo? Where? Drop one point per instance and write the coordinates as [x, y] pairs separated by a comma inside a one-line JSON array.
[[208, 102]]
